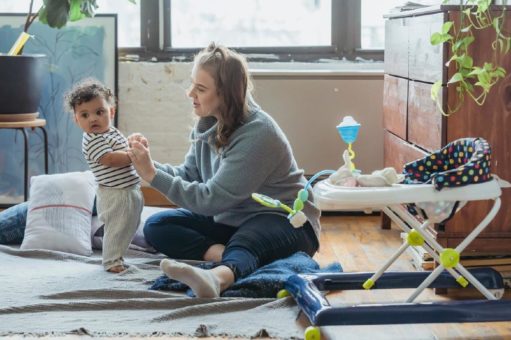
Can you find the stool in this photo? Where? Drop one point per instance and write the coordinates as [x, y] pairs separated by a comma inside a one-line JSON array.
[[33, 124]]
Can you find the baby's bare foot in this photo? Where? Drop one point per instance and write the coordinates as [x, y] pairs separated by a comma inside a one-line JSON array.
[[116, 269]]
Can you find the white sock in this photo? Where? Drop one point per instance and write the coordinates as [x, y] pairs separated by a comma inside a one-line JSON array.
[[203, 283]]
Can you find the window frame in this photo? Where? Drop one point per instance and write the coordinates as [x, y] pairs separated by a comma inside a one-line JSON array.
[[156, 40]]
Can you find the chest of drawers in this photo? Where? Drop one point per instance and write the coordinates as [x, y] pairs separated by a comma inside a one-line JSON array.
[[414, 126]]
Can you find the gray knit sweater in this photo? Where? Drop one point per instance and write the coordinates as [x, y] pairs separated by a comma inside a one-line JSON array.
[[258, 159]]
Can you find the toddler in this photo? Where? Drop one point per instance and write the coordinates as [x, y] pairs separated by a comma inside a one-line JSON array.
[[119, 198]]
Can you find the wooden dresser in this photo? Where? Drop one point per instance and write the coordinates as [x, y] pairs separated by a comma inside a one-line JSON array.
[[414, 126]]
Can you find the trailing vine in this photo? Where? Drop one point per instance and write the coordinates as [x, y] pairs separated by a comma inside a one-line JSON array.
[[474, 81]]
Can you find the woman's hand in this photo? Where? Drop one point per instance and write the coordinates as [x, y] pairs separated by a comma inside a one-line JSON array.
[[138, 137], [141, 160]]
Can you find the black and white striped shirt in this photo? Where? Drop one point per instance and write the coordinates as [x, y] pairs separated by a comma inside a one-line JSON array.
[[94, 146]]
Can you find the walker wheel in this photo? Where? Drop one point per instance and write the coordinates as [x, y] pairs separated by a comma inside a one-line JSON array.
[[282, 294], [312, 333]]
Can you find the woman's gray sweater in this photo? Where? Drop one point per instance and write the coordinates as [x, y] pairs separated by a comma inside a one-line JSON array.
[[257, 159]]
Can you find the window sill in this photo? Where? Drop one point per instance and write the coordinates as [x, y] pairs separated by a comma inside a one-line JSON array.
[[260, 69]]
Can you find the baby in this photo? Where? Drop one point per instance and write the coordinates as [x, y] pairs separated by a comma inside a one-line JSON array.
[[119, 198]]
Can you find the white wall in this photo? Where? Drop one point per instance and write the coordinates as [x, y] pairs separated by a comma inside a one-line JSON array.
[[308, 107]]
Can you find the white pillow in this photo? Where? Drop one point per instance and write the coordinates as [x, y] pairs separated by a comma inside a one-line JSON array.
[[60, 213], [138, 243]]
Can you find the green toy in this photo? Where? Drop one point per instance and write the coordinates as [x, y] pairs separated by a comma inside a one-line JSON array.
[[295, 215]]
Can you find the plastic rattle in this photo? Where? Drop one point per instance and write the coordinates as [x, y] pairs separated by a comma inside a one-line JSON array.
[[296, 217], [348, 129]]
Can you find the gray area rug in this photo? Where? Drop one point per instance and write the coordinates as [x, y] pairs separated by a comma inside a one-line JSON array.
[[52, 293]]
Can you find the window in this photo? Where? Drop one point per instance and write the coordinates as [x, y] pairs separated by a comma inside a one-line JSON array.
[[299, 30], [128, 20], [276, 30], [256, 24], [279, 30]]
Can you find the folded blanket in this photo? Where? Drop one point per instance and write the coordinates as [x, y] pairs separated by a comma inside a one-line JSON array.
[[265, 282]]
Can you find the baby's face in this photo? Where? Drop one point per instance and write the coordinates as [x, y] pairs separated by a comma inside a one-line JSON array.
[[94, 116]]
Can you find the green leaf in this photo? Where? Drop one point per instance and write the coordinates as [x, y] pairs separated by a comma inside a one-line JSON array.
[[468, 87], [455, 78], [75, 13], [476, 71], [483, 5], [484, 78], [435, 39], [446, 27], [501, 72], [42, 15], [438, 38], [57, 12], [468, 40], [435, 88], [134, 2], [467, 61], [488, 66], [457, 45]]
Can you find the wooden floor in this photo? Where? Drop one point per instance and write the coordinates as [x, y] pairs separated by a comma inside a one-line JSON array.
[[359, 244]]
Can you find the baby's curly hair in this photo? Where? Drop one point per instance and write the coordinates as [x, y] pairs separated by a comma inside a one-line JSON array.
[[86, 90]]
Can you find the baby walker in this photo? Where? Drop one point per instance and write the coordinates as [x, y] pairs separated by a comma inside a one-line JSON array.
[[430, 190]]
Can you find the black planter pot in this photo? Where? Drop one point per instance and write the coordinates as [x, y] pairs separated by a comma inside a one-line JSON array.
[[21, 83]]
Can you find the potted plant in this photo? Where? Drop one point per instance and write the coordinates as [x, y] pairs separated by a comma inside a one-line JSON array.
[[471, 80], [23, 75]]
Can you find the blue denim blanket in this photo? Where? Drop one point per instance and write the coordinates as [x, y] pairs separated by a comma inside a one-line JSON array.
[[265, 282], [12, 224]]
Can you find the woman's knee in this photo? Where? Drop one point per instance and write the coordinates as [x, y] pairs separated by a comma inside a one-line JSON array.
[[158, 228], [173, 233], [150, 230], [270, 237]]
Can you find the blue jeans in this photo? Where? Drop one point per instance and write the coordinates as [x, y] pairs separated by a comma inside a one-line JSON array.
[[181, 234], [12, 224]]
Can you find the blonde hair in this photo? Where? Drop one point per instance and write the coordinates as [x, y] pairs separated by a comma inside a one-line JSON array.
[[230, 72]]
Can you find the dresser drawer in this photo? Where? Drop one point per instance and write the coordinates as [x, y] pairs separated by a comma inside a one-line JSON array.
[[425, 121], [396, 47], [425, 61], [395, 97], [398, 152]]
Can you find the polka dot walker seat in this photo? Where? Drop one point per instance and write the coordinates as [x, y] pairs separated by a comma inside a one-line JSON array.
[[462, 162]]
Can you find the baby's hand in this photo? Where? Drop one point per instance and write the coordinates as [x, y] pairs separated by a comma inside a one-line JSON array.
[[141, 160], [138, 137]]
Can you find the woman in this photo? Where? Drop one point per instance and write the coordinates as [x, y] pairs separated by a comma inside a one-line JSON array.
[[236, 150]]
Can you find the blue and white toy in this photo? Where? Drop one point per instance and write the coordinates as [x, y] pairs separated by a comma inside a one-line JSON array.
[[348, 130]]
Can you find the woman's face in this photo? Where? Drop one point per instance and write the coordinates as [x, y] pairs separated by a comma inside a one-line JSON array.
[[203, 92]]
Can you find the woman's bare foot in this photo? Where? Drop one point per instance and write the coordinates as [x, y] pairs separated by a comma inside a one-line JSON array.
[[117, 269]]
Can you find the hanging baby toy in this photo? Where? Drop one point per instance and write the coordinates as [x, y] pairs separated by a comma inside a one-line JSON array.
[[348, 129]]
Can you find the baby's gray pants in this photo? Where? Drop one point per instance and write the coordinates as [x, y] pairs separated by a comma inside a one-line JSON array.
[[119, 210]]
